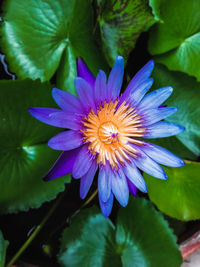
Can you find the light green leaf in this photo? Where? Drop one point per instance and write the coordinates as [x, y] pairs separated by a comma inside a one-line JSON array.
[[176, 41], [3, 247], [155, 5], [121, 23], [141, 238], [38, 36], [186, 97], [24, 154], [179, 196]]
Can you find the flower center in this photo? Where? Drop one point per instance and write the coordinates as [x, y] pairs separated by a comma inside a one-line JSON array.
[[111, 131]]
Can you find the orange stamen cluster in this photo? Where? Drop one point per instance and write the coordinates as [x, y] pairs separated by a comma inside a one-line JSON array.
[[110, 132]]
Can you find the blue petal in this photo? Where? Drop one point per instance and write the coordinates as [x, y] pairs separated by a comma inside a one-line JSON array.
[[85, 94], [106, 207], [148, 165], [84, 72], [120, 187], [82, 163], [104, 183], [63, 165], [140, 77], [66, 101], [43, 115], [66, 120], [155, 98], [66, 140], [152, 116], [132, 188], [100, 87], [87, 179], [115, 78], [163, 129], [162, 155], [134, 175], [136, 94]]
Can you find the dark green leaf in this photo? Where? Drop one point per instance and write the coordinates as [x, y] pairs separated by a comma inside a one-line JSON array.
[[24, 154], [179, 196], [121, 23], [175, 41], [186, 97], [38, 36], [3, 247], [141, 239]]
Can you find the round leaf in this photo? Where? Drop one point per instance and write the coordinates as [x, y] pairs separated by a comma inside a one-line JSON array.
[[176, 40], [24, 154], [36, 33], [179, 196], [141, 239]]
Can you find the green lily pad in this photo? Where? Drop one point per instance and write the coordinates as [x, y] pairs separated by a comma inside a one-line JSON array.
[[38, 36], [121, 23], [141, 238], [179, 196], [186, 97], [176, 41], [24, 154], [3, 246]]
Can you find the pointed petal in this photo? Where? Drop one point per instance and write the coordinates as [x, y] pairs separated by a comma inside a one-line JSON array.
[[148, 165], [66, 140], [162, 155], [106, 207], [66, 120], [132, 188], [83, 162], [104, 183], [100, 87], [63, 165], [43, 115], [66, 101], [155, 98], [115, 78], [140, 77], [134, 175], [163, 129], [151, 116], [84, 72], [85, 94], [87, 179], [120, 187]]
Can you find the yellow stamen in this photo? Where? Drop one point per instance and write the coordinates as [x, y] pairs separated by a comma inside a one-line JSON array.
[[111, 131]]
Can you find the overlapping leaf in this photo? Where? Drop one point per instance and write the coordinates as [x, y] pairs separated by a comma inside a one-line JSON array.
[[175, 41], [141, 238], [24, 154]]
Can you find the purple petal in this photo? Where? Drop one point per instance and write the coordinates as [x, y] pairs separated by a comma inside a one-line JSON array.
[[104, 183], [43, 115], [140, 77], [148, 165], [66, 120], [163, 129], [63, 165], [106, 207], [66, 101], [85, 94], [162, 155], [132, 188], [152, 116], [87, 179], [120, 187], [83, 162], [115, 78], [66, 140], [84, 72], [100, 87], [155, 98], [134, 175]]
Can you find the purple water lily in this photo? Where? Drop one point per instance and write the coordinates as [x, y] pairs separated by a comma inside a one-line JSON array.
[[104, 131]]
